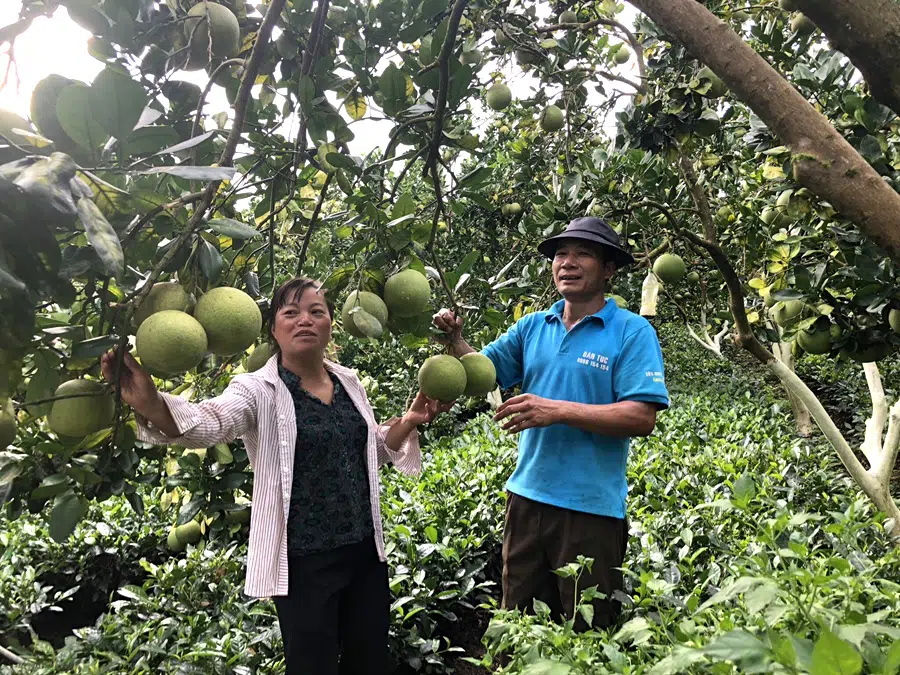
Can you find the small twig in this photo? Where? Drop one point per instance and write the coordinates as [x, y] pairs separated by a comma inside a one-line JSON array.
[[312, 224], [209, 85], [415, 158], [132, 230], [51, 399], [439, 208]]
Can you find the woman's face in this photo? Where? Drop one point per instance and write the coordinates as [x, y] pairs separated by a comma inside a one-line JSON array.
[[303, 324]]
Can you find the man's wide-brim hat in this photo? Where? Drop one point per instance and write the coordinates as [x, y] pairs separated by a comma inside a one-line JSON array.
[[594, 230]]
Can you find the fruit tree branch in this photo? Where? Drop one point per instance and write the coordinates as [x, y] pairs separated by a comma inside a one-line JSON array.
[[868, 32], [602, 21], [10, 32], [823, 160], [440, 105], [312, 224], [438, 210], [240, 113], [871, 445], [698, 194]]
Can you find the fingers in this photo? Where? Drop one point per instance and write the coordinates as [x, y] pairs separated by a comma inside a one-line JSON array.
[[510, 408], [519, 423]]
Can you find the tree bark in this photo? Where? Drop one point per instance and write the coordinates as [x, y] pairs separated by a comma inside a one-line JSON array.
[[823, 161], [868, 33]]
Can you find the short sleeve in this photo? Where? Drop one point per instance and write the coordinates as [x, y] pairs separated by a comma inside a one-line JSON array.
[[506, 354], [638, 374]]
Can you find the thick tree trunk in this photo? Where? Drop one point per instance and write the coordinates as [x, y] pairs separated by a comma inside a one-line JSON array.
[[823, 161], [868, 33]]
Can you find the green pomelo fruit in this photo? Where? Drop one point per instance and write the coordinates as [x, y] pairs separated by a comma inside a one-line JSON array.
[[164, 295], [527, 57], [693, 277], [596, 141], [259, 357], [222, 24], [622, 55], [370, 303], [818, 342], [189, 533], [407, 293], [717, 87], [419, 325], [725, 213], [171, 342], [498, 96], [618, 299], [894, 320], [568, 17], [787, 311], [512, 209], [481, 376], [231, 319], [471, 58], [79, 416], [802, 24], [238, 516], [442, 377], [7, 424], [502, 38], [43, 109], [173, 543], [669, 267], [552, 119]]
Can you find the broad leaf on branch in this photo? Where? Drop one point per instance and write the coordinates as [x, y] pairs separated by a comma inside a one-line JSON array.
[[232, 228], [117, 102], [68, 509], [102, 237], [75, 111], [207, 173]]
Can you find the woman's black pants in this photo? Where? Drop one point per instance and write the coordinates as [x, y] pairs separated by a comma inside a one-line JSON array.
[[335, 618]]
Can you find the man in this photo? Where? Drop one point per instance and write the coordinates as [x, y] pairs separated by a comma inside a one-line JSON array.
[[591, 377]]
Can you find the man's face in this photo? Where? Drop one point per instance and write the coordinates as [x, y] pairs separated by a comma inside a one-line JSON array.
[[579, 270]]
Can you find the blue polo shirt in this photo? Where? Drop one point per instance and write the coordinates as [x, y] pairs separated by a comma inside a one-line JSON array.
[[607, 357]]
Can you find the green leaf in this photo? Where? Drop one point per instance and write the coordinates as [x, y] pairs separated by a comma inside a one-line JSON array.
[[741, 648], [191, 509], [68, 509], [232, 228], [405, 206], [211, 262], [833, 656], [365, 323], [392, 84], [210, 173], [147, 140], [51, 486], [117, 102], [431, 533], [340, 161], [744, 487], [74, 108], [545, 667], [136, 501], [471, 258], [102, 237], [188, 144], [892, 661], [95, 347]]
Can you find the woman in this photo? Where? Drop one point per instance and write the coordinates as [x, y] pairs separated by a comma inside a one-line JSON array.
[[316, 543]]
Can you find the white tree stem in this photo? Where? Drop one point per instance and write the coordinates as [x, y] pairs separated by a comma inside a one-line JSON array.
[[871, 446], [714, 348]]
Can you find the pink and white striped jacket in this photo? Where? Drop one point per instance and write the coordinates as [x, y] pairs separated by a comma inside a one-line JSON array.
[[258, 408]]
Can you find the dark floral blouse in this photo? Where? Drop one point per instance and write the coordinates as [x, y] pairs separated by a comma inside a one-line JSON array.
[[330, 493]]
